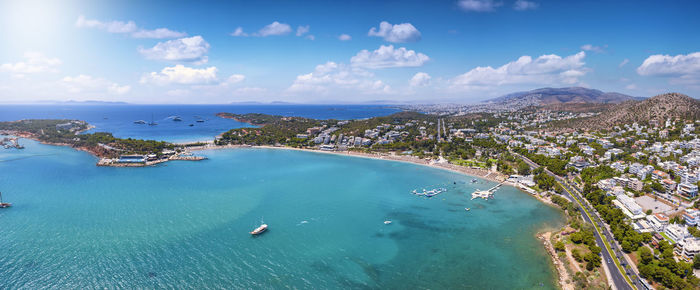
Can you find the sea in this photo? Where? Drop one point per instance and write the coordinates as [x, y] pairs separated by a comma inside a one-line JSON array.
[[185, 224], [119, 119]]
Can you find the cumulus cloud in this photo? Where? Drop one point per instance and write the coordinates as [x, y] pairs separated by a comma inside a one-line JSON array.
[[344, 37], [89, 84], [545, 69], [593, 48], [334, 77], [234, 79], [33, 62], [682, 65], [190, 49], [404, 32], [274, 28], [479, 5], [239, 32], [420, 79], [180, 74], [128, 27], [522, 5], [387, 56]]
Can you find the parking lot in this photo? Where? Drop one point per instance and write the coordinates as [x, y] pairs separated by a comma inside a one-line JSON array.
[[656, 206]]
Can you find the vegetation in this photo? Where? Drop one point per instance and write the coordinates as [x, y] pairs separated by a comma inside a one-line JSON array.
[[69, 132]]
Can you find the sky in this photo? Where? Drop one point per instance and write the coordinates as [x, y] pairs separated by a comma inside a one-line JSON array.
[[336, 52]]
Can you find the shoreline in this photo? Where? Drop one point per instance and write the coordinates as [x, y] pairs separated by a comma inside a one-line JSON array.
[[473, 172], [562, 273]]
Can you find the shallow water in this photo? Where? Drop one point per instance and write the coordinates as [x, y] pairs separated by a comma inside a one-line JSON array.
[[185, 224]]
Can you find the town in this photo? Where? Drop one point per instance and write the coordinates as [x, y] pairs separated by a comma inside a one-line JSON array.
[[638, 182]]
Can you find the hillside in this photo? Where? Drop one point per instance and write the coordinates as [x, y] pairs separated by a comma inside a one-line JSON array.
[[660, 108], [571, 95]]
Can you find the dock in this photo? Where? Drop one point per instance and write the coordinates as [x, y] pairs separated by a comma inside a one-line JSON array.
[[486, 194]]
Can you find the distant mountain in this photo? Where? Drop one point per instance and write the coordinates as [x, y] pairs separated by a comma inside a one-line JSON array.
[[659, 108], [572, 95]]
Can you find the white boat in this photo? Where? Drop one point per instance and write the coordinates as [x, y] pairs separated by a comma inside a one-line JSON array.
[[259, 230], [467, 209], [387, 222]]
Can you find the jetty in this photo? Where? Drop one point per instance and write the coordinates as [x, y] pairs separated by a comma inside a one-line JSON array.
[[486, 194]]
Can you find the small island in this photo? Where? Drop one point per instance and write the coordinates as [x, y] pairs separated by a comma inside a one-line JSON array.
[[111, 150]]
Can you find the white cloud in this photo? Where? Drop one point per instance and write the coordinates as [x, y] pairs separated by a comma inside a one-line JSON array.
[[310, 37], [420, 79], [631, 87], [387, 56], [91, 85], [274, 28], [338, 78], [344, 37], [479, 5], [128, 27], [522, 5], [546, 69], [301, 30], [682, 66], [404, 32], [190, 49], [593, 48], [180, 74], [234, 79], [34, 62], [239, 32], [623, 63]]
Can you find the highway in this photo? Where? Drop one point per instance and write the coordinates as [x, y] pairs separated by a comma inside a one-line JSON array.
[[618, 278]]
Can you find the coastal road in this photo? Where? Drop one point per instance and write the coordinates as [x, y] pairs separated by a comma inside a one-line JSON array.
[[617, 277]]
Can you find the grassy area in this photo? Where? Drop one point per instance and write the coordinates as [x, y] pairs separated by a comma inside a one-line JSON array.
[[666, 237], [467, 163]]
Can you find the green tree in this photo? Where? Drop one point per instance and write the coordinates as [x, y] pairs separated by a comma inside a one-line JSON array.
[[645, 255], [523, 168]]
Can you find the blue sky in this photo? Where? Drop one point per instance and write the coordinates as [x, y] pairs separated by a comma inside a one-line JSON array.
[[405, 51]]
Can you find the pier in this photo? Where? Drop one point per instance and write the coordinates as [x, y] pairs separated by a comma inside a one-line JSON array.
[[486, 194]]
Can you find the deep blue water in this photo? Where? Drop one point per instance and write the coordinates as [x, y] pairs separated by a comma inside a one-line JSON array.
[[119, 119]]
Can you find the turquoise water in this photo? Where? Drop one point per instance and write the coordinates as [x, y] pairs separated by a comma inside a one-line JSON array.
[[185, 224]]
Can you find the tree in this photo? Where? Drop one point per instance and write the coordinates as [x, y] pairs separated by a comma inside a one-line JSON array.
[[523, 168], [645, 255], [696, 262], [559, 246]]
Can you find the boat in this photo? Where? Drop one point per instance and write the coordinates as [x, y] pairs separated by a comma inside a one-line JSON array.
[[387, 222], [467, 209], [200, 121], [141, 122], [191, 125], [177, 119], [4, 204], [152, 123], [259, 230], [474, 180]]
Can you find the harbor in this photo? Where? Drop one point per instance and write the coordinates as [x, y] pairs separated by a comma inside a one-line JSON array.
[[10, 142]]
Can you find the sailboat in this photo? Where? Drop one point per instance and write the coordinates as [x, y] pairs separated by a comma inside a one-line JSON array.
[[4, 204], [152, 123], [259, 230]]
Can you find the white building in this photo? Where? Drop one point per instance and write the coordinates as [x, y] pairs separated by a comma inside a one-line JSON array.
[[629, 207], [677, 232], [692, 217]]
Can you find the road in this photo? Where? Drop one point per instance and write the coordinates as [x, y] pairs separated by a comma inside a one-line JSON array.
[[618, 277]]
